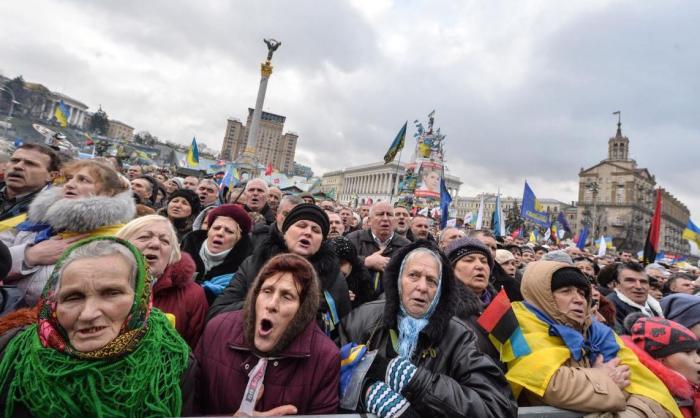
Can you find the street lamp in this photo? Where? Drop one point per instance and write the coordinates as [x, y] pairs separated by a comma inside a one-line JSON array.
[[593, 187]]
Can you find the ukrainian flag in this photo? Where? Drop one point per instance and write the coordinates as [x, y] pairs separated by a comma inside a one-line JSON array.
[[62, 113], [193, 154], [692, 232], [396, 145]]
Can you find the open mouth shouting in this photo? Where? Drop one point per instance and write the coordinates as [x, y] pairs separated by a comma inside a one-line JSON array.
[[265, 327]]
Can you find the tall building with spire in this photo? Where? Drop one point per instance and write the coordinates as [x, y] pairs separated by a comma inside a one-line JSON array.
[[616, 199]]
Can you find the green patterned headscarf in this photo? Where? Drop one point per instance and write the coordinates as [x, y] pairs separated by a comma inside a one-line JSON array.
[[136, 374]]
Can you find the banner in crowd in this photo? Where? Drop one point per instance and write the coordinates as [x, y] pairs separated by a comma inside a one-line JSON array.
[[531, 209], [429, 174]]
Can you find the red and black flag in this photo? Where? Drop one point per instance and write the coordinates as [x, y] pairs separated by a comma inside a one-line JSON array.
[[504, 330], [651, 247]]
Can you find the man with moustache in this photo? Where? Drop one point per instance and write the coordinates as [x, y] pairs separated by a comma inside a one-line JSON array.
[[30, 169], [337, 227], [376, 245]]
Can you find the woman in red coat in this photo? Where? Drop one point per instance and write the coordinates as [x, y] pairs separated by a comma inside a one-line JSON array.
[[275, 343], [174, 291]]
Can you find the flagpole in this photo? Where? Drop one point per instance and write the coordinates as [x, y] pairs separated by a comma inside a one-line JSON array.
[[396, 182]]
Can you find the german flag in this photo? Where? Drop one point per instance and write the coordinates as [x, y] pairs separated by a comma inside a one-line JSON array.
[[504, 330]]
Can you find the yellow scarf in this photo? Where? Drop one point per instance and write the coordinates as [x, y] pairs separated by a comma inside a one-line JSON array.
[[103, 231], [12, 222], [534, 371]]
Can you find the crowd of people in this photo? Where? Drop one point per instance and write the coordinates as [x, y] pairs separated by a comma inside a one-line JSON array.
[[129, 292]]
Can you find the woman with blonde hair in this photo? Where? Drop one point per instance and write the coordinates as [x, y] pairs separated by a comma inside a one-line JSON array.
[[174, 290], [92, 202]]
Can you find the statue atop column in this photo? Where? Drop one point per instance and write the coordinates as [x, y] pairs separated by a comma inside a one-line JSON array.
[[272, 46]]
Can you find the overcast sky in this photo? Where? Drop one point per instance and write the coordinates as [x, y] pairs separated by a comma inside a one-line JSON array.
[[522, 89]]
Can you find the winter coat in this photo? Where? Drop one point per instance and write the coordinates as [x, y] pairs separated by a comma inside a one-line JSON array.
[[623, 309], [260, 232], [306, 374], [469, 309], [366, 245], [96, 215], [176, 293], [550, 375], [192, 243], [453, 378], [686, 393], [324, 261], [266, 212], [20, 205]]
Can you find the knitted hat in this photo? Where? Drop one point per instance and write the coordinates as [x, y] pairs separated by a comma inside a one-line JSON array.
[[559, 255], [235, 212], [527, 249], [308, 212], [682, 308], [343, 248], [571, 276], [191, 198], [660, 337], [465, 246], [503, 256]]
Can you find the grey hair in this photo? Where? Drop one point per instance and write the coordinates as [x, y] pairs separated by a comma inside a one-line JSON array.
[[258, 180], [293, 199], [101, 248], [418, 251]]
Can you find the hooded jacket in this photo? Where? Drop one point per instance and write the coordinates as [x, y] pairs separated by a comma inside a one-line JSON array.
[[550, 375], [303, 368], [176, 293], [453, 378], [96, 215], [324, 261]]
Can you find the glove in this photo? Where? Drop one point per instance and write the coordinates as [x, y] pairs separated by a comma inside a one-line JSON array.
[[399, 373], [216, 285], [384, 402]]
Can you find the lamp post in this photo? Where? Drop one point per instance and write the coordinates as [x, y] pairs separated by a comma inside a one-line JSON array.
[[593, 187]]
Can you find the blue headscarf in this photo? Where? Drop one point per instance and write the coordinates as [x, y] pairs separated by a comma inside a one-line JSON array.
[[410, 327]]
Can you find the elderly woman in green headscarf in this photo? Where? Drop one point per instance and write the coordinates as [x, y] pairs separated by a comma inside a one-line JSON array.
[[97, 349]]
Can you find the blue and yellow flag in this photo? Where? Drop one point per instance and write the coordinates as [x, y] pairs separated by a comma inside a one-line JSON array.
[[692, 233], [532, 209], [397, 145], [193, 154], [62, 113]]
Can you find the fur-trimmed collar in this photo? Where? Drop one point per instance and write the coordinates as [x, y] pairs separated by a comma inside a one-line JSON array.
[[324, 261], [177, 274], [83, 214], [469, 304], [447, 304]]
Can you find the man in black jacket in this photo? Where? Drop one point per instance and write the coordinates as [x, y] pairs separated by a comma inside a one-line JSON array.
[[261, 231], [427, 362], [256, 200], [379, 243]]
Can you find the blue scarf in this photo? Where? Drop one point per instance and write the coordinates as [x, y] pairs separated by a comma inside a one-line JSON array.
[[410, 327], [43, 231], [601, 339]]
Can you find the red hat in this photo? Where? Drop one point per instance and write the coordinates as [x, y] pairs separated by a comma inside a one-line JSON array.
[[660, 337], [235, 212]]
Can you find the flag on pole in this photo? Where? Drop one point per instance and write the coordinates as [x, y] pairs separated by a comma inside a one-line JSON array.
[[503, 327], [445, 201], [469, 218], [651, 246], [268, 170], [582, 237], [692, 232], [547, 234], [498, 226], [62, 113], [480, 216], [533, 237], [531, 209], [602, 247], [396, 145], [193, 154], [516, 233], [561, 219]]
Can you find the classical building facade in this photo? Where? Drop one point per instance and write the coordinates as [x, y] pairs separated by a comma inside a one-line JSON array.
[[616, 198], [273, 146], [41, 103], [371, 183], [120, 130]]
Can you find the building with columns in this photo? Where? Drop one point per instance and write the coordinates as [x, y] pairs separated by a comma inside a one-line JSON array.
[[371, 182], [42, 104], [616, 198]]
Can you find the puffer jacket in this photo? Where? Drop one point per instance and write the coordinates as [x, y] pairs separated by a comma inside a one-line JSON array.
[[324, 261], [453, 378]]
